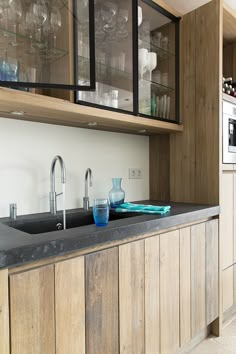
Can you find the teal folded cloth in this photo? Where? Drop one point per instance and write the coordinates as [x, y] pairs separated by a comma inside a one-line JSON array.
[[142, 208]]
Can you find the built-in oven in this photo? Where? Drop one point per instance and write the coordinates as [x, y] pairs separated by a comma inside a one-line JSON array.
[[229, 132]]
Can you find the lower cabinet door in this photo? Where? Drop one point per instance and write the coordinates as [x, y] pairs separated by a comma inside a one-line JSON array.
[[198, 279], [169, 292], [32, 311]]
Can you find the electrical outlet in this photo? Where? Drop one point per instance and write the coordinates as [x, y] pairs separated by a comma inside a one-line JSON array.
[[135, 173], [132, 173]]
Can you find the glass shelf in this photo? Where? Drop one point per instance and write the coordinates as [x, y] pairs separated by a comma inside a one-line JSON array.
[[154, 87], [106, 73], [17, 45], [161, 53]]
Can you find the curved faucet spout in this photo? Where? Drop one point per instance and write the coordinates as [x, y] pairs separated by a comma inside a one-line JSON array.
[[52, 174], [88, 176], [53, 195]]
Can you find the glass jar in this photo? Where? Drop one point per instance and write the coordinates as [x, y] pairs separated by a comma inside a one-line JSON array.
[[116, 194]]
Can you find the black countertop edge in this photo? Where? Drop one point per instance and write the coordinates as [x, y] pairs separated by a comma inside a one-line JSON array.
[[18, 248]]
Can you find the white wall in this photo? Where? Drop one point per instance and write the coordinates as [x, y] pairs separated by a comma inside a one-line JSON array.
[[26, 152]]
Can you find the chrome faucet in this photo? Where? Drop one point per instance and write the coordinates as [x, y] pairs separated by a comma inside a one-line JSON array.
[[53, 195], [89, 174]]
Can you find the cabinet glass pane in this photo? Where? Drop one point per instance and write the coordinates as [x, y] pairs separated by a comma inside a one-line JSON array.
[[38, 39], [114, 56], [156, 53]]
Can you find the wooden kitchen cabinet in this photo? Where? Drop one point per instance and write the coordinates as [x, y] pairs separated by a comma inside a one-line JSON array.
[[169, 292], [32, 311], [227, 218], [153, 295]]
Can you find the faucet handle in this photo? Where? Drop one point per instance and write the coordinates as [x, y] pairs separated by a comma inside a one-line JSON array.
[[86, 203], [13, 211]]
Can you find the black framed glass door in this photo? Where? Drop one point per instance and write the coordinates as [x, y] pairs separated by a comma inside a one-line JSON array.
[[114, 57], [40, 43]]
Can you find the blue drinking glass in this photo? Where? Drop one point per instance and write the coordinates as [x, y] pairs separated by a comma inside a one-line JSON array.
[[101, 212]]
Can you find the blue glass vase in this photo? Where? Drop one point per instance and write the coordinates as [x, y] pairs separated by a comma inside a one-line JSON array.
[[116, 194]]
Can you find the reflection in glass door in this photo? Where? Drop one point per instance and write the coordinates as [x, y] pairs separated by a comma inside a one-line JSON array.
[[114, 56]]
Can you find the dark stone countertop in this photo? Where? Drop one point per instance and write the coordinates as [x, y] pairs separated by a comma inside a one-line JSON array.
[[18, 247]]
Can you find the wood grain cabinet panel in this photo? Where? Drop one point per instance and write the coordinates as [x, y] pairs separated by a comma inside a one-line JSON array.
[[169, 292], [228, 288], [185, 293], [226, 219], [4, 313], [32, 312], [131, 301], [102, 327], [212, 271], [198, 280], [152, 298], [70, 306]]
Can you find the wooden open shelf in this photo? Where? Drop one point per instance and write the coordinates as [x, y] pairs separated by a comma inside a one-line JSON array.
[[56, 111], [229, 25]]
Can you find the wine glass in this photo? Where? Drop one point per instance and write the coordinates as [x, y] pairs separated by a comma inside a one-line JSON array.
[[142, 61], [140, 15], [55, 25], [122, 19], [15, 13], [151, 62], [108, 12], [40, 11]]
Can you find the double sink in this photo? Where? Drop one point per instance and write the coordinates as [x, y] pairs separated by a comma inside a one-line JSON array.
[[42, 223]]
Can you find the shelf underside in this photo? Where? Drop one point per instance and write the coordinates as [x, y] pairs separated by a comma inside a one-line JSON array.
[[56, 111]]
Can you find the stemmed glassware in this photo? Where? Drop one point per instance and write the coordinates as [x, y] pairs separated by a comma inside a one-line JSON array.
[[40, 11], [15, 13], [122, 19], [108, 12], [55, 26]]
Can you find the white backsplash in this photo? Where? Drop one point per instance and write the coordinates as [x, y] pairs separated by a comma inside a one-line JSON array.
[[26, 152]]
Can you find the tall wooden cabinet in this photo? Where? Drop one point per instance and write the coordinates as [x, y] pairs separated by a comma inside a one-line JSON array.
[[149, 296]]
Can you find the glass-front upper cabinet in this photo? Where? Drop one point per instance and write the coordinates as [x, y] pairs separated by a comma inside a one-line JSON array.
[[39, 41], [137, 60], [114, 56], [158, 63]]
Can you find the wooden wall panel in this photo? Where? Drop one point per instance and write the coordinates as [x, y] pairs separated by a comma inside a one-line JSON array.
[[159, 156], [169, 292], [70, 306], [212, 271], [226, 218], [209, 76], [152, 298], [4, 313], [182, 146], [32, 311], [131, 293], [102, 328], [185, 286], [228, 288], [198, 280]]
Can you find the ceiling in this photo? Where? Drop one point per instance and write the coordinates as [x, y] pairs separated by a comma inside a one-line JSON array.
[[231, 3]]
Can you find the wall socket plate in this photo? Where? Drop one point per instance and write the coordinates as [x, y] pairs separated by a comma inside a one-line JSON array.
[[135, 173]]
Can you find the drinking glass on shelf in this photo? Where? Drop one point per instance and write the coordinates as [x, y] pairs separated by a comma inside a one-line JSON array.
[[151, 63], [108, 12], [55, 25], [40, 12], [122, 19], [15, 13], [142, 61], [140, 15]]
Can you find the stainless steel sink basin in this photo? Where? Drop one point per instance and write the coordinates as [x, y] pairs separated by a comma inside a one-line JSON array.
[[50, 223]]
